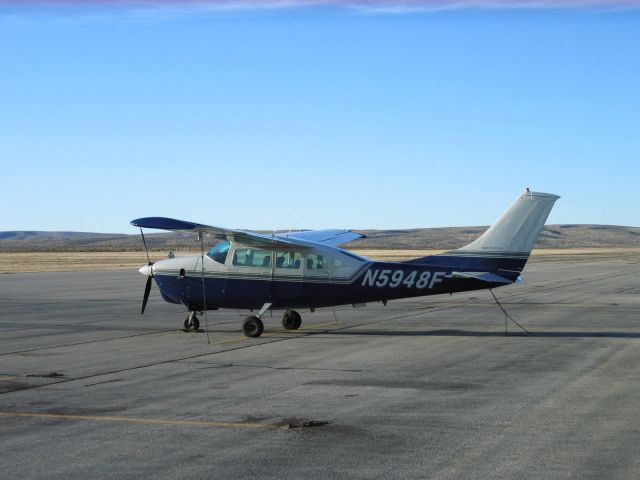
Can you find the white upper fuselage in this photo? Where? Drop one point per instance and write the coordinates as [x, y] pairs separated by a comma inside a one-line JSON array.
[[314, 261]]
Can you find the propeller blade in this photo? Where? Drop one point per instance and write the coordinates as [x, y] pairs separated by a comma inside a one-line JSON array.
[[144, 242], [147, 290]]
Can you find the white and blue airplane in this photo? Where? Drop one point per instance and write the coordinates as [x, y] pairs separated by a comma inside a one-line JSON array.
[[307, 270]]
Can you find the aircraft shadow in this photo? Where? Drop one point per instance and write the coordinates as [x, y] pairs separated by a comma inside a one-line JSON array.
[[471, 333]]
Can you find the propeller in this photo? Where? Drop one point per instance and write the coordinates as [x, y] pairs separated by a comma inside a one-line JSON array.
[[147, 290], [148, 271]]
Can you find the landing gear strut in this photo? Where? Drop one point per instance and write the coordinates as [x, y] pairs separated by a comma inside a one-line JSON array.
[[291, 320], [191, 322]]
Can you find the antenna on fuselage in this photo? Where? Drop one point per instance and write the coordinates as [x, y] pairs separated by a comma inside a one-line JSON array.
[[275, 230], [295, 224]]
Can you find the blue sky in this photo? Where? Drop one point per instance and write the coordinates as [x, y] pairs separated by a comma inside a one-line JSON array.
[[315, 117]]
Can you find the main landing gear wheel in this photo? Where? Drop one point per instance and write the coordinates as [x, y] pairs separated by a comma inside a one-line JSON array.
[[191, 322], [291, 320], [252, 327]]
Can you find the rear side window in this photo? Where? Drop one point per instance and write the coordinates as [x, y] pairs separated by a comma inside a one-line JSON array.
[[288, 259], [248, 257], [316, 262]]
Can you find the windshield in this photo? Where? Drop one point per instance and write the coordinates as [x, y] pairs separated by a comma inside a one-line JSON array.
[[219, 252]]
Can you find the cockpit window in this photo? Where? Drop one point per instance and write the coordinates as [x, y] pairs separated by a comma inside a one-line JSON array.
[[219, 252]]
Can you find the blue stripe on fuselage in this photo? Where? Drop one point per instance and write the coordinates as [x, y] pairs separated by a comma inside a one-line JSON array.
[[508, 266]]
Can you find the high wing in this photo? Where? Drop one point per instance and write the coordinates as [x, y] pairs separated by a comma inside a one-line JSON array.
[[332, 238], [254, 239]]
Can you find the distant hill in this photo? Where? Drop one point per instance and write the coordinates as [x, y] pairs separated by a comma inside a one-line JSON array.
[[553, 236], [34, 241]]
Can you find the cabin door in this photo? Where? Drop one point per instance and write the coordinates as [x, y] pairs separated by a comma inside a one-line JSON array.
[[248, 278]]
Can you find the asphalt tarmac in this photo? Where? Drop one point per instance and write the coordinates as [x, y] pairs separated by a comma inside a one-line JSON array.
[[423, 388]]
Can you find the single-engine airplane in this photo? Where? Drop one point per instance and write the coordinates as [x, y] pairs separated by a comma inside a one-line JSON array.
[[306, 269]]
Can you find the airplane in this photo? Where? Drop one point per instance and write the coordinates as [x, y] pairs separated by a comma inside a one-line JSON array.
[[307, 270]]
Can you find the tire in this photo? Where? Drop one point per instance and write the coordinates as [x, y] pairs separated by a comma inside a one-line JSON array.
[[291, 320], [298, 319], [252, 327], [186, 323], [195, 323]]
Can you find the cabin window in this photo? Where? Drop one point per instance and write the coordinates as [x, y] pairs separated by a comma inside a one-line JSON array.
[[219, 252], [345, 265], [249, 257], [288, 259], [316, 262]]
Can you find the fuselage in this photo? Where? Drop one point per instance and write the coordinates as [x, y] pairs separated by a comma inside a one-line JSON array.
[[238, 276]]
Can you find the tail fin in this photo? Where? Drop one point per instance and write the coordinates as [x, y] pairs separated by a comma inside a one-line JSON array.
[[517, 230], [505, 247]]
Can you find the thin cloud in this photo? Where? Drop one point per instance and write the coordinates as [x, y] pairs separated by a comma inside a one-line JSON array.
[[390, 5], [418, 6], [74, 11]]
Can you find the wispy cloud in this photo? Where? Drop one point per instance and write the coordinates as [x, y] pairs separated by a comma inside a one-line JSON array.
[[417, 6], [92, 10], [360, 4]]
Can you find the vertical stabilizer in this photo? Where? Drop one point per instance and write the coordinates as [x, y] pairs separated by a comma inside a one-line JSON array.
[[517, 230]]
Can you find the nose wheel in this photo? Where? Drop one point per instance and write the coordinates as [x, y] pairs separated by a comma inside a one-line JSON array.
[[191, 322]]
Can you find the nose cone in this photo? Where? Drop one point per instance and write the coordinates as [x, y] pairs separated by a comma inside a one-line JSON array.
[[147, 271]]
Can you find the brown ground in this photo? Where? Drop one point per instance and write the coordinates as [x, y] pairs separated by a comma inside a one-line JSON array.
[[17, 262]]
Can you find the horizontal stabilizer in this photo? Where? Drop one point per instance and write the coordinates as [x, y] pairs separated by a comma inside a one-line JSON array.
[[483, 276]]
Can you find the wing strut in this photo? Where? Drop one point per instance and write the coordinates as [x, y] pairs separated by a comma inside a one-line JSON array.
[[204, 290]]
